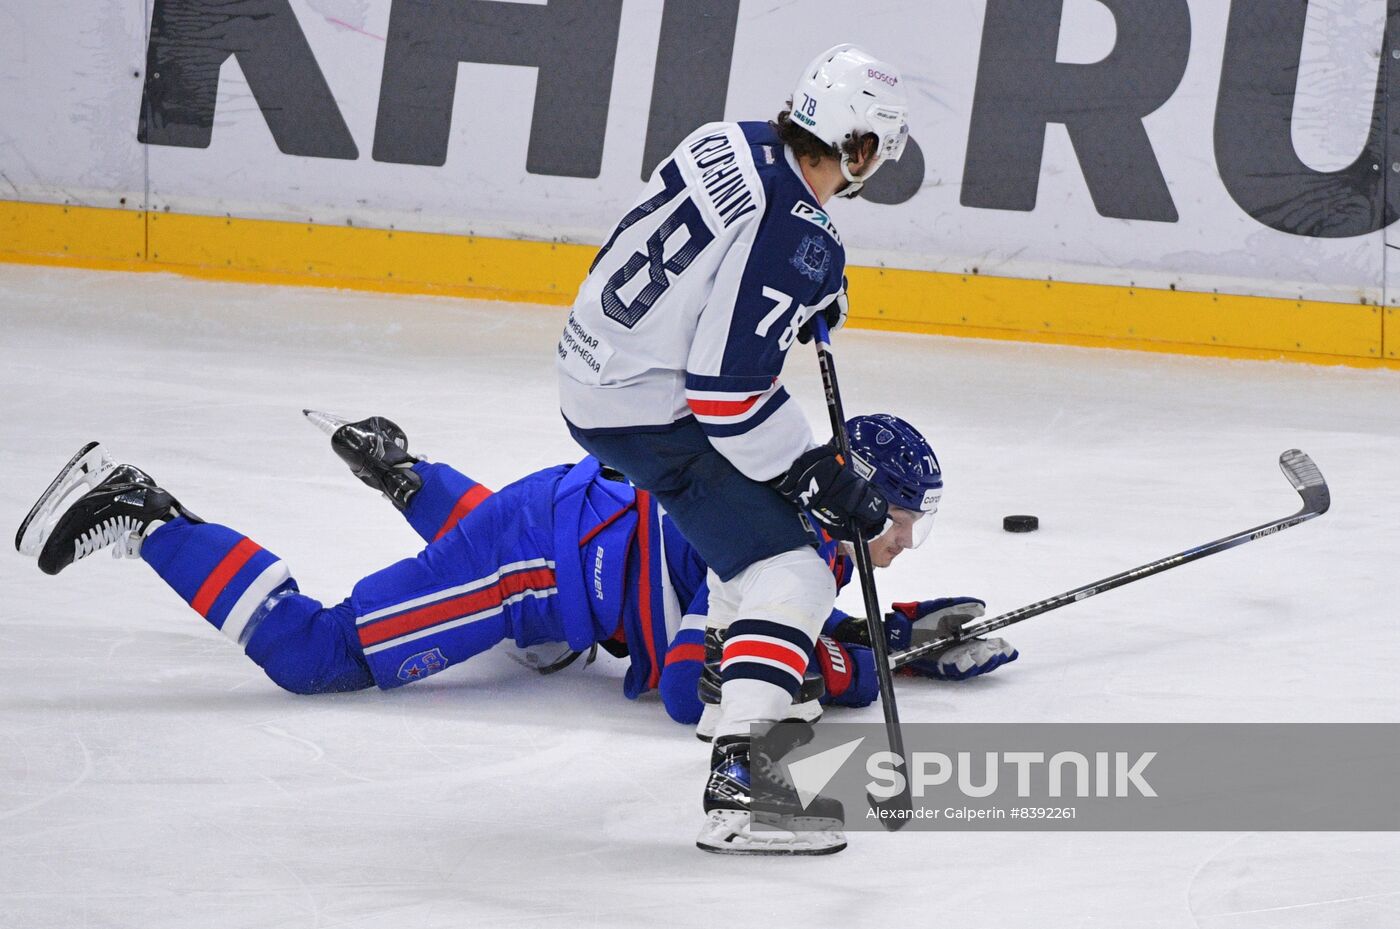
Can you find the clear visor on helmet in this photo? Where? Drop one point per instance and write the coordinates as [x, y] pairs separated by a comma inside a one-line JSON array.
[[913, 526]]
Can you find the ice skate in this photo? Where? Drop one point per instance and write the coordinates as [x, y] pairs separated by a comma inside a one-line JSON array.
[[84, 471], [728, 829], [376, 450], [121, 505]]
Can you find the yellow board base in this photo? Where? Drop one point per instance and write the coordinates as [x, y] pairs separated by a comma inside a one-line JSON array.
[[267, 252]]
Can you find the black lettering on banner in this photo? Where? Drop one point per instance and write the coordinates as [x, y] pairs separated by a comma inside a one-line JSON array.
[[1021, 88], [189, 43], [1254, 130], [693, 59], [572, 43]]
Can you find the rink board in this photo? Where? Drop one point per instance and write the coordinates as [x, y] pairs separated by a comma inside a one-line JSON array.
[[973, 305], [1179, 175]]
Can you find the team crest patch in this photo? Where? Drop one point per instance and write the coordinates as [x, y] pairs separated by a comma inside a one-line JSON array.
[[422, 664], [804, 210], [812, 258]]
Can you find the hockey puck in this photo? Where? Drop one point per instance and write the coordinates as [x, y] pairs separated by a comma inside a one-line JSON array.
[[1020, 523]]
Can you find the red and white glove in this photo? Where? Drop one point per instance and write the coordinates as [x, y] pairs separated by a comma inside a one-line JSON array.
[[848, 670]]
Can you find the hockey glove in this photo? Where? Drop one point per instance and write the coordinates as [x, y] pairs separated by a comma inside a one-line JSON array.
[[839, 498], [834, 311], [680, 672], [848, 671], [912, 624]]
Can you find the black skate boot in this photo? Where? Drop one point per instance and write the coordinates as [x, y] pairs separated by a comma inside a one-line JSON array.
[[119, 511], [811, 830], [376, 450], [806, 703]]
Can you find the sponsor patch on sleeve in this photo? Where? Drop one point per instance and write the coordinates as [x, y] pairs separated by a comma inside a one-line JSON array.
[[804, 210]]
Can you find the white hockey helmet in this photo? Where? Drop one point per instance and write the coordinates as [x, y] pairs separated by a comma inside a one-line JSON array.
[[844, 94]]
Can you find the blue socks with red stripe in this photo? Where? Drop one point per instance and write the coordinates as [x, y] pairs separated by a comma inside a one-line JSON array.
[[222, 574], [247, 593], [444, 498]]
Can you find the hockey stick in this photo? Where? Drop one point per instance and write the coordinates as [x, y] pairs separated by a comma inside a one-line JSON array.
[[866, 570], [1297, 467]]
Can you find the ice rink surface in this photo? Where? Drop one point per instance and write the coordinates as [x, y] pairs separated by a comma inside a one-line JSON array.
[[151, 776]]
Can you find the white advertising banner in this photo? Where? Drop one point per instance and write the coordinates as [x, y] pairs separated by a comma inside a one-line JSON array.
[[1240, 146]]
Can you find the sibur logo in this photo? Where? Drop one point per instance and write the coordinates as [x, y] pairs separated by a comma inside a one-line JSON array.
[[806, 111]]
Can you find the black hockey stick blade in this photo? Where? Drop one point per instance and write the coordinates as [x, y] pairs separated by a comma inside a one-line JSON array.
[[894, 813], [1301, 472]]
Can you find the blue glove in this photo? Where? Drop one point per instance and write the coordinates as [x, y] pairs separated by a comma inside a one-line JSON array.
[[911, 624], [685, 659]]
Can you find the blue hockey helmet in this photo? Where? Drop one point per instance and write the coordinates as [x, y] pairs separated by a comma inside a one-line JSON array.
[[893, 456]]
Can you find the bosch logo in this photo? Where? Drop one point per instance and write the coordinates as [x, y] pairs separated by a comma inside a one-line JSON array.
[[881, 76]]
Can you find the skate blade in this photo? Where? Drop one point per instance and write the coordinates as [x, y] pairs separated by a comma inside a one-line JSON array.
[[326, 422], [84, 470], [727, 832]]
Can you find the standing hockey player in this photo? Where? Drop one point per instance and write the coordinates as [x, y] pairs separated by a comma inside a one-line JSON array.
[[668, 371], [564, 559]]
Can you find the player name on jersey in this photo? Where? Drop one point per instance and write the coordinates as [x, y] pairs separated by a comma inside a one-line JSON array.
[[722, 177]]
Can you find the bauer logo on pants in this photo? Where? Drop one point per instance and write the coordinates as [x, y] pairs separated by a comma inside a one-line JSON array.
[[1167, 776]]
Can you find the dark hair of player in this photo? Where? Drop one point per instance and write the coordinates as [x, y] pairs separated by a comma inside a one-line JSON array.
[[806, 145]]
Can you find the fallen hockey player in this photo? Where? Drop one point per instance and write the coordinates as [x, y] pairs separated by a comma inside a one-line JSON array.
[[562, 561]]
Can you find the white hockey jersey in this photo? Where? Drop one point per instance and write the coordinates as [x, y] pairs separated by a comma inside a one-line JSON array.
[[691, 306]]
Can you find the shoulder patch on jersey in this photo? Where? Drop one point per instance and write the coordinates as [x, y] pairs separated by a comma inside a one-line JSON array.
[[812, 258], [422, 664], [804, 210]]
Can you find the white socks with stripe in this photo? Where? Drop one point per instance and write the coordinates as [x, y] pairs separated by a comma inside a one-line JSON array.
[[777, 607]]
